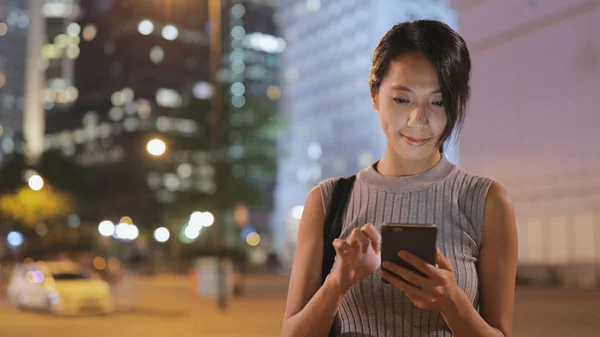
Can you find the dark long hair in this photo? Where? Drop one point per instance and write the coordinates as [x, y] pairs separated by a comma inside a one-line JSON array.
[[445, 49]]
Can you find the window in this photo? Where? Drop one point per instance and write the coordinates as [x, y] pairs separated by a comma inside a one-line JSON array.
[[69, 276]]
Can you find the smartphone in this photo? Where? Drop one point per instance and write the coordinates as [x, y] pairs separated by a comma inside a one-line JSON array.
[[418, 239]]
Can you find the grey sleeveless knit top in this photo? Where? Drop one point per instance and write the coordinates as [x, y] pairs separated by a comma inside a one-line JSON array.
[[444, 195]]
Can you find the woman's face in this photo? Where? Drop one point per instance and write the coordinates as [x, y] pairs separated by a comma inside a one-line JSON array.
[[410, 107]]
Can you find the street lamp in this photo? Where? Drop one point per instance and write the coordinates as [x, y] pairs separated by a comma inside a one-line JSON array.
[[156, 147], [36, 182]]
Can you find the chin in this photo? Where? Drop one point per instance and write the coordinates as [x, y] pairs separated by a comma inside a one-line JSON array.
[[413, 153]]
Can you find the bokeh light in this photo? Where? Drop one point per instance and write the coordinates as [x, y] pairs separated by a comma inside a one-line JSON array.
[[99, 263], [191, 232], [89, 32], [74, 221], [126, 231], [73, 29], [106, 228], [145, 27], [36, 182], [253, 239], [114, 264], [14, 239], [161, 234], [35, 276], [127, 220], [157, 54], [274, 92], [156, 147], [170, 32], [201, 219], [208, 219]]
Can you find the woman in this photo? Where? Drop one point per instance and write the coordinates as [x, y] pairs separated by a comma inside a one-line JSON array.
[[420, 87]]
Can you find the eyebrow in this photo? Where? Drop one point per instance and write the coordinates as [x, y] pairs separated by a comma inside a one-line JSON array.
[[399, 87]]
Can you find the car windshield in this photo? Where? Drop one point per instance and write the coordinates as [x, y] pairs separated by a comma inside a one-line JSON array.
[[69, 276]]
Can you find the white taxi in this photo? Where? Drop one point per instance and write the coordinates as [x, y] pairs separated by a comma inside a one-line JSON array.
[[61, 288]]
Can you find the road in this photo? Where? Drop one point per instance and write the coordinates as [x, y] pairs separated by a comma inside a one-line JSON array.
[[163, 306]]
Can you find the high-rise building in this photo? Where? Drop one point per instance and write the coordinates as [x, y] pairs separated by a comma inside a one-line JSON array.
[[14, 24], [143, 73], [334, 128], [251, 70], [39, 43]]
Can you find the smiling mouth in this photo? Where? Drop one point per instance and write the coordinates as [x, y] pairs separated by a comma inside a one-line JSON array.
[[414, 141]]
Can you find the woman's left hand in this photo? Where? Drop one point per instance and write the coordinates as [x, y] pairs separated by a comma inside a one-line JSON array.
[[434, 292]]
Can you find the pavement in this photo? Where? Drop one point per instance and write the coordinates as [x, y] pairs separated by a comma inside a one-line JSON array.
[[164, 306]]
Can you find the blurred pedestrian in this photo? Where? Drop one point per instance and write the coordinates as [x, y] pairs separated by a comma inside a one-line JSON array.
[[420, 87]]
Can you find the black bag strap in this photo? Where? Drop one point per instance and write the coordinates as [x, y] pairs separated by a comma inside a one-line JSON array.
[[332, 228]]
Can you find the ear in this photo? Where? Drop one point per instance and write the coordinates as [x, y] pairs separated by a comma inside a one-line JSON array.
[[375, 98]]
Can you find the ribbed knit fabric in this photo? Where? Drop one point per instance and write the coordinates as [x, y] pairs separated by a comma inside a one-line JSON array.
[[444, 195]]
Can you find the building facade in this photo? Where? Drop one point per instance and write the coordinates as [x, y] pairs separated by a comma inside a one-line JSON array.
[[543, 150], [39, 43], [14, 25]]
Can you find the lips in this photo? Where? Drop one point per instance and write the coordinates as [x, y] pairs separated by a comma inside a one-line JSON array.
[[415, 141]]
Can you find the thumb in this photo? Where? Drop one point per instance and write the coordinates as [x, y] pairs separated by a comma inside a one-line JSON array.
[[442, 261]]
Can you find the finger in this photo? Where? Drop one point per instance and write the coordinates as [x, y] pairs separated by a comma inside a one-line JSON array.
[[373, 234], [342, 248], [402, 285], [428, 300], [421, 265], [443, 261], [357, 237], [410, 276], [422, 303]]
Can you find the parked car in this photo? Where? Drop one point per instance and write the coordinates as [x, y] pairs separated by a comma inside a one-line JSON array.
[[60, 287]]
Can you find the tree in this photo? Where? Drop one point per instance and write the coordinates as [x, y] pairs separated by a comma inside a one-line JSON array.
[[21, 206], [29, 207]]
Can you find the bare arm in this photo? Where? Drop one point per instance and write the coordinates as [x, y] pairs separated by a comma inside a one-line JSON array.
[[310, 307], [497, 270]]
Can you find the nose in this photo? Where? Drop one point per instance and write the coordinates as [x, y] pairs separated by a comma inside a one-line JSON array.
[[418, 117]]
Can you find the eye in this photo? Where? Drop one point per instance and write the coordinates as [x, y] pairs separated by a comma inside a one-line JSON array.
[[401, 100], [439, 103]]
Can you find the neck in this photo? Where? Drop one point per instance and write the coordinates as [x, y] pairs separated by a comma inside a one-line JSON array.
[[392, 165]]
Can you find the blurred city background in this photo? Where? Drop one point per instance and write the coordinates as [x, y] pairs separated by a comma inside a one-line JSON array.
[[156, 153]]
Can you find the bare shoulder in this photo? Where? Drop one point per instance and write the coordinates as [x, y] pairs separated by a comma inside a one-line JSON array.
[[498, 201], [499, 215], [313, 207], [305, 278], [313, 217]]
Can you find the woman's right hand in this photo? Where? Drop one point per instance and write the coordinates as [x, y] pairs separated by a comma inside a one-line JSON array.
[[357, 257]]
